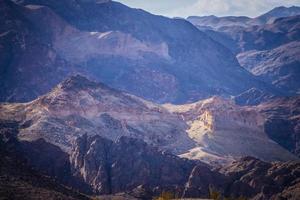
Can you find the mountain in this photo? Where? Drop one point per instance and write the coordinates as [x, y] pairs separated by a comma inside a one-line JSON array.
[[218, 23], [269, 36], [79, 106], [154, 57], [261, 37], [248, 178], [223, 131], [227, 22], [278, 12], [104, 165], [268, 47], [279, 66], [255, 179], [282, 121], [101, 141], [112, 167], [18, 180], [96, 166], [253, 97]]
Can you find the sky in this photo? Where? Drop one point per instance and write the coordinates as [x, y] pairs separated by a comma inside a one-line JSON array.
[[185, 8]]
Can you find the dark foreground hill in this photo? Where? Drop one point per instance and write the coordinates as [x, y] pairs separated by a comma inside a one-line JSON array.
[[107, 173]]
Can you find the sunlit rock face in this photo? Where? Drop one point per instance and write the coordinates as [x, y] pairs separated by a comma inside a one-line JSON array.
[[78, 106], [222, 129], [212, 130]]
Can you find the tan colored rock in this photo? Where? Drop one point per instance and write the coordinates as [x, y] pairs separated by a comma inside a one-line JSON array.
[[224, 131]]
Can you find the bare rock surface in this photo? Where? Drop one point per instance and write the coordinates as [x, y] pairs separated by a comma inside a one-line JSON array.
[[222, 129], [279, 66], [78, 106], [212, 130], [283, 121], [112, 167]]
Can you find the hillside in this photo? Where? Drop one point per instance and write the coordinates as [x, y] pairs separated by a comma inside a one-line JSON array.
[[279, 66], [224, 131], [182, 63]]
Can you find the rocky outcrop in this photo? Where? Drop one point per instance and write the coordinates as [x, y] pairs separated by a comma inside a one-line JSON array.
[[132, 166], [247, 178], [255, 179], [222, 129], [24, 173], [211, 130], [278, 66], [203, 181], [112, 167], [78, 106], [252, 97], [282, 121]]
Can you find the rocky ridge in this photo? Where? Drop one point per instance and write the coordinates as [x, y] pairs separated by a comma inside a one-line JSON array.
[[78, 106], [282, 121], [112, 167], [222, 129], [206, 129], [278, 66]]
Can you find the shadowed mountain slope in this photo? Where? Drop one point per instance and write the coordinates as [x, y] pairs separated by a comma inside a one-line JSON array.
[[154, 57], [279, 66], [283, 121]]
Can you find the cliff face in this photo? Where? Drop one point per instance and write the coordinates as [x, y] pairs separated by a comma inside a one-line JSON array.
[[34, 170], [247, 178], [222, 129], [112, 167], [260, 180], [283, 121], [130, 165]]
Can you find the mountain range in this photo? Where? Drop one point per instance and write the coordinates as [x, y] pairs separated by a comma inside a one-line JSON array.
[[103, 101], [271, 37], [98, 140], [172, 52]]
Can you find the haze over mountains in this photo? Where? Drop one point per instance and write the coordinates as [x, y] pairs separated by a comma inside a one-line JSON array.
[[270, 39], [102, 100], [182, 64]]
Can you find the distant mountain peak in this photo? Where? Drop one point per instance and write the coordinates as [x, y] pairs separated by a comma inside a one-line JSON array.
[[279, 12], [78, 82], [94, 1]]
